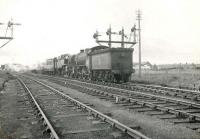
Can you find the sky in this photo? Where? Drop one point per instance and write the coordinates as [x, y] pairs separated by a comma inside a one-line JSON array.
[[169, 28]]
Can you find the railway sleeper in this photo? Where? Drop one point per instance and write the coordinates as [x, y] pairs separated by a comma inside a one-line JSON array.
[[159, 102], [136, 107], [170, 106], [41, 119], [167, 94], [157, 113], [184, 96], [192, 119], [184, 121], [180, 107], [47, 130], [194, 111], [125, 104], [154, 107], [169, 117], [52, 136], [147, 109], [166, 111], [180, 115], [195, 98], [44, 123]]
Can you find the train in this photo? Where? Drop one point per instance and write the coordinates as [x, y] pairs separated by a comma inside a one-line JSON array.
[[99, 63]]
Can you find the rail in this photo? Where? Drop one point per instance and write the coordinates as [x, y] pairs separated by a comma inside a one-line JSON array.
[[174, 111], [168, 88], [162, 108], [53, 133], [113, 122]]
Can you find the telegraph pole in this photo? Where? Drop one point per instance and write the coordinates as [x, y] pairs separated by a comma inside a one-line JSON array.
[[139, 41], [122, 45], [109, 33]]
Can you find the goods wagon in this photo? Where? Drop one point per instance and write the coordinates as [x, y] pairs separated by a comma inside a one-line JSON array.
[[111, 64]]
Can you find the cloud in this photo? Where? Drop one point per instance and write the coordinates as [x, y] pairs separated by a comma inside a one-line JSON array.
[[170, 29]]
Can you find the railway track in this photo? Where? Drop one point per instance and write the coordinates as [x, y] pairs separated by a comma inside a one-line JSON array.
[[17, 116], [171, 92], [168, 91], [173, 110], [49, 128], [66, 117], [184, 94]]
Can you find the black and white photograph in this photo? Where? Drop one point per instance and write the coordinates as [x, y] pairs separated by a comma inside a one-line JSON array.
[[99, 69]]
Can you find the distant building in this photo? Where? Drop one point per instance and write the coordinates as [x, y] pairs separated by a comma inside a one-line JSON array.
[[2, 67], [197, 66], [144, 65], [148, 66], [177, 66], [5, 67], [168, 66], [154, 67], [14, 67]]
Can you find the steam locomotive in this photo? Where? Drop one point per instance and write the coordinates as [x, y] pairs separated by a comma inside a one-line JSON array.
[[100, 63]]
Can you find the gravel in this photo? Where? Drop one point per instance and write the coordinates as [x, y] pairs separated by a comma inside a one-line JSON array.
[[150, 126], [17, 121]]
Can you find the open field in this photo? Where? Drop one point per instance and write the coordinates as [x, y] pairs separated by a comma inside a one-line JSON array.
[[185, 78]]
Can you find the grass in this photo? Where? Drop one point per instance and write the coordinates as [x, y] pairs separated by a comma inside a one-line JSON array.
[[185, 78], [4, 77]]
